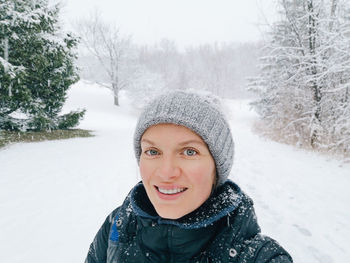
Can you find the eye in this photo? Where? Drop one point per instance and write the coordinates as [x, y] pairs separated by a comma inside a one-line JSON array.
[[152, 152], [190, 152]]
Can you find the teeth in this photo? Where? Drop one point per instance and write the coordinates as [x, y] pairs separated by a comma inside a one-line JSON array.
[[170, 191]]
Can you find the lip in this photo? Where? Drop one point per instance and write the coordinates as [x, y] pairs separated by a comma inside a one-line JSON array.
[[169, 196]]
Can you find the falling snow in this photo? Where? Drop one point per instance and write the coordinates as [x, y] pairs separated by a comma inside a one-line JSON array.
[[55, 195]]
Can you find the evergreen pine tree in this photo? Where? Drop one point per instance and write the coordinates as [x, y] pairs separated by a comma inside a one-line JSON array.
[[36, 67]]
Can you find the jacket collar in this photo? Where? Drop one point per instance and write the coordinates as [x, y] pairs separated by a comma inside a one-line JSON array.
[[222, 202]]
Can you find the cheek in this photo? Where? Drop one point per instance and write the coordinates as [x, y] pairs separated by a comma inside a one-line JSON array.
[[145, 170], [202, 175]]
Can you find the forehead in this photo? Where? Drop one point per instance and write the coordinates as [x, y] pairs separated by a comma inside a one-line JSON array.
[[170, 131]]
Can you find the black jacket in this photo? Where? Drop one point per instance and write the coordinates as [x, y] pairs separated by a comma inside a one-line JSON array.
[[223, 229]]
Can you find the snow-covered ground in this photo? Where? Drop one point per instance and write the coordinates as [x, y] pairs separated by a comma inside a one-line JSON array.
[[55, 195]]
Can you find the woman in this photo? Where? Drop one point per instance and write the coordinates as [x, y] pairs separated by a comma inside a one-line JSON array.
[[185, 209]]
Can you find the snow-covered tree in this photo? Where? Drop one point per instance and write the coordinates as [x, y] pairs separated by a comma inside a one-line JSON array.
[[219, 68], [144, 87], [36, 67], [165, 60], [304, 80], [105, 42]]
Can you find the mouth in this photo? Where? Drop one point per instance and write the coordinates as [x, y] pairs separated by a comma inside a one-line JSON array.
[[170, 191]]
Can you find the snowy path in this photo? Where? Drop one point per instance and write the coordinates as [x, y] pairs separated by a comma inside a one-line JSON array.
[[301, 197], [54, 195]]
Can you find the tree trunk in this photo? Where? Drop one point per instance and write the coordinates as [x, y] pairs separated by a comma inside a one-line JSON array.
[[315, 86], [317, 115], [333, 8], [346, 95], [116, 100], [116, 94]]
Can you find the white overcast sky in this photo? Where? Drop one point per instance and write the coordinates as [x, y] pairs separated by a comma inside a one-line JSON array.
[[188, 22]]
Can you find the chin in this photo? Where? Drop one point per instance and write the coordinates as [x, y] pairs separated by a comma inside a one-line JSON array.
[[169, 214]]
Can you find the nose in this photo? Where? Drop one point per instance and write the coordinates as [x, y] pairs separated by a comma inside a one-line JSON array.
[[169, 168]]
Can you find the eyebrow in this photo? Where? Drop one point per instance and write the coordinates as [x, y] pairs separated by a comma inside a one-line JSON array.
[[181, 144]]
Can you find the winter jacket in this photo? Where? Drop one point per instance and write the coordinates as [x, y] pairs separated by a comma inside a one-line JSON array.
[[223, 229]]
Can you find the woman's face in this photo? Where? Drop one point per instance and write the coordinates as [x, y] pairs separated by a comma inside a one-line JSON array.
[[177, 169]]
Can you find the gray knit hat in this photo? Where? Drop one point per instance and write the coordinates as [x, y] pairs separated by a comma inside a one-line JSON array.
[[200, 113]]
